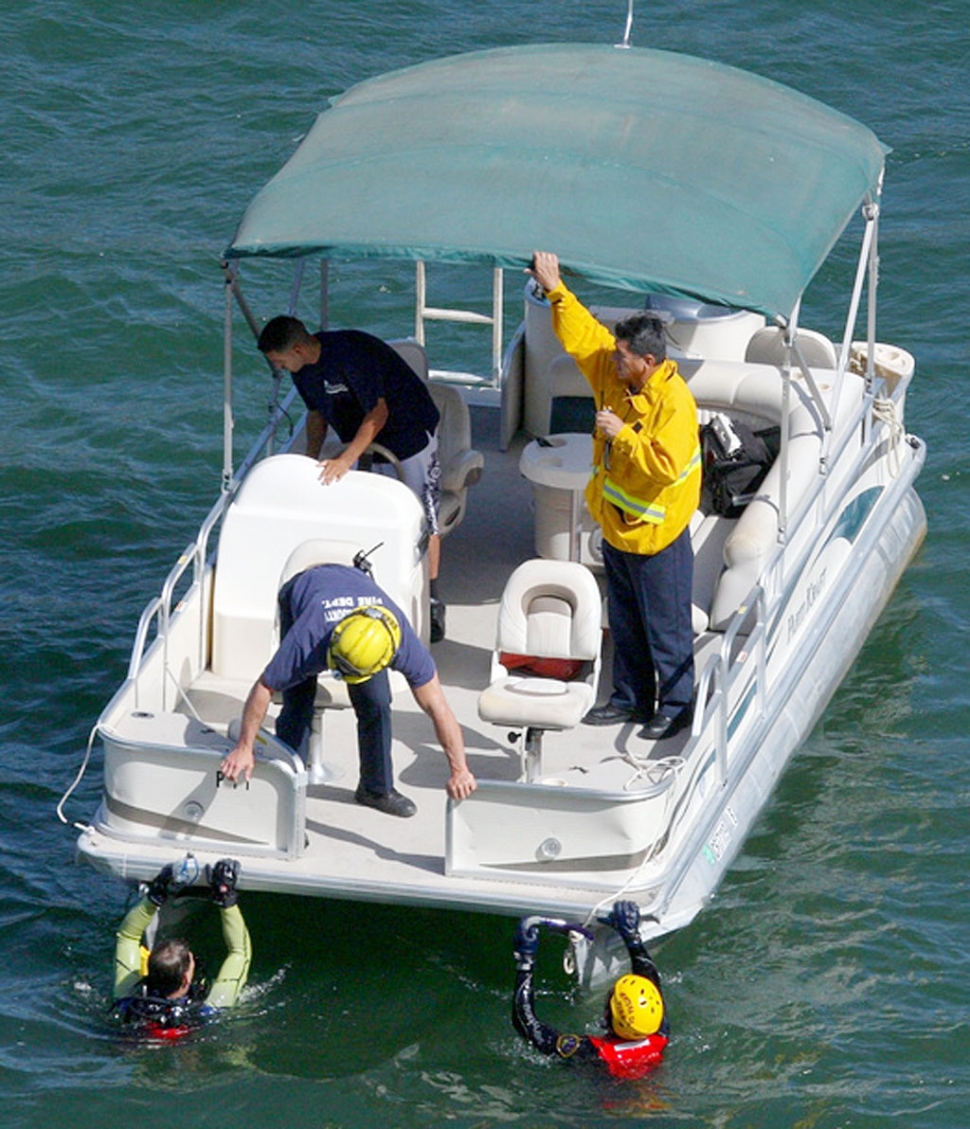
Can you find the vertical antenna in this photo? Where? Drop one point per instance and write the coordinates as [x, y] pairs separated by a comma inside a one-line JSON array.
[[628, 28]]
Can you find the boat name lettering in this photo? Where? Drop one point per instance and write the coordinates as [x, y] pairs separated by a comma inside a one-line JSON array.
[[717, 844], [797, 618]]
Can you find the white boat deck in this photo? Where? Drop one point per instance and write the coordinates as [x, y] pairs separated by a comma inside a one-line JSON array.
[[356, 852]]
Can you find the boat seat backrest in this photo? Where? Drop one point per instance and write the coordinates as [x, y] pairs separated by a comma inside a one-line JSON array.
[[767, 347], [317, 551], [414, 353], [549, 611], [549, 621], [545, 666], [461, 464], [708, 533], [565, 378], [753, 391], [283, 520]]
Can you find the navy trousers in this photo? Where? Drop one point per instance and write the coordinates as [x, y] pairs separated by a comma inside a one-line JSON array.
[[372, 705], [649, 603]]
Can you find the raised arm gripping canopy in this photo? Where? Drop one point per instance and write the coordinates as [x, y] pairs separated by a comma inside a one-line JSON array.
[[643, 169]]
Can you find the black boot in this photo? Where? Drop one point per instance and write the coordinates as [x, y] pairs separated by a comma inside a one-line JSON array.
[[437, 620]]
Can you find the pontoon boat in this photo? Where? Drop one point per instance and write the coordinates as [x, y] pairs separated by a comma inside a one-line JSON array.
[[702, 191]]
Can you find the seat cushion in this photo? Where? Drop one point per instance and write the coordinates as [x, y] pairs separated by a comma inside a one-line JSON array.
[[564, 669], [542, 703]]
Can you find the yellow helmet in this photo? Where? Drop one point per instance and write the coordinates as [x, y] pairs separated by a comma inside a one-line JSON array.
[[636, 1007], [363, 643]]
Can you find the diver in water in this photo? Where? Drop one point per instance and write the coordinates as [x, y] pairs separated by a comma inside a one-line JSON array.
[[168, 999], [636, 1020]]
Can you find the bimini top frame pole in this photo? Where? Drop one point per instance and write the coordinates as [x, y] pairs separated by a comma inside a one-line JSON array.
[[867, 267], [275, 408]]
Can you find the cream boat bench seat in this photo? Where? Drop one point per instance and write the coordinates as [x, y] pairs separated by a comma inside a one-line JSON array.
[[729, 554], [752, 393]]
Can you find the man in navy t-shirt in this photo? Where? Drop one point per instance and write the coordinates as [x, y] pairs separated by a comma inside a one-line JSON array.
[[358, 385], [335, 617]]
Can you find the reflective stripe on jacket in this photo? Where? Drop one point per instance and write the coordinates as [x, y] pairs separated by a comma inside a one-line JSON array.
[[646, 481], [644, 509]]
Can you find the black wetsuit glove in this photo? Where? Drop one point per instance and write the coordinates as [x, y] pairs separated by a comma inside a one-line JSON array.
[[223, 880], [172, 879], [162, 885], [625, 919], [526, 943]]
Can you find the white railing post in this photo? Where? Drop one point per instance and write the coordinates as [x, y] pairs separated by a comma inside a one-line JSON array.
[[227, 419], [420, 300], [498, 315], [324, 293]]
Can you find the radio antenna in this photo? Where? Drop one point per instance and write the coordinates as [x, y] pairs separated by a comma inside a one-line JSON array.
[[362, 562]]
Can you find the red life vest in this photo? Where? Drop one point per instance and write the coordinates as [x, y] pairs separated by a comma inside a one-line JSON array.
[[630, 1060]]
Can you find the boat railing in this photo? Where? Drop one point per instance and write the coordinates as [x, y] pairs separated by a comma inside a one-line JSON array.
[[723, 671], [159, 611], [152, 609], [424, 313], [196, 554], [711, 690], [835, 444], [720, 685]]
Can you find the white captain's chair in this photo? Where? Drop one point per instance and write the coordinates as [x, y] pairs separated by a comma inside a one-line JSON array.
[[461, 464], [546, 662]]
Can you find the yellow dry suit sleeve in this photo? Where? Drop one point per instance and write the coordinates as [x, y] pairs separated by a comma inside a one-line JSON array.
[[128, 970], [235, 968]]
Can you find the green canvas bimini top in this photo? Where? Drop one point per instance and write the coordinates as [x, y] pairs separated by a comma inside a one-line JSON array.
[[642, 169]]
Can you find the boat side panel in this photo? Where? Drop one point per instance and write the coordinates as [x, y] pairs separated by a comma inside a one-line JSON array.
[[161, 785], [795, 705]]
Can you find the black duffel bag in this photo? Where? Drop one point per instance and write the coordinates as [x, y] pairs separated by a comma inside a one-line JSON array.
[[736, 460]]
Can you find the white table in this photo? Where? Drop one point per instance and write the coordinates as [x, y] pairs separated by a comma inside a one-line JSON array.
[[558, 465]]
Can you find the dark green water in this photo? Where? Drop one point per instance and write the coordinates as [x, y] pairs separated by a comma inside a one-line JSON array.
[[827, 985]]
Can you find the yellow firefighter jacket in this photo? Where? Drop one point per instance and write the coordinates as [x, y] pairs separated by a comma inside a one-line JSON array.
[[646, 482]]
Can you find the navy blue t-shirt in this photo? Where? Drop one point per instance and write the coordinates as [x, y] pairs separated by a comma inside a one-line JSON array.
[[318, 599], [354, 371]]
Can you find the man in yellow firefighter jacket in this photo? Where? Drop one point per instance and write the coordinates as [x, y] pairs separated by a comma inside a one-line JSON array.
[[645, 484]]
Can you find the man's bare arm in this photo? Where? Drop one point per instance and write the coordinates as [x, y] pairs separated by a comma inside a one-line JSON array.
[[242, 759], [431, 698], [332, 470]]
